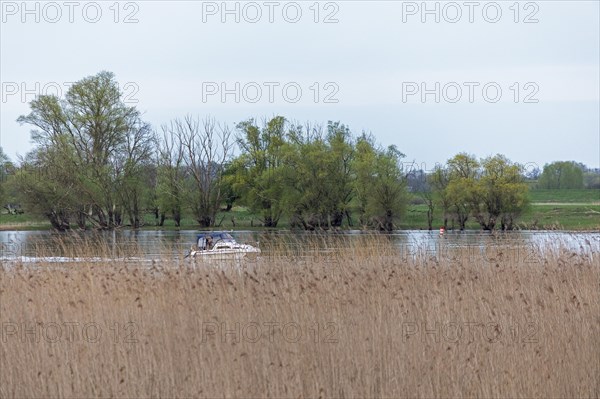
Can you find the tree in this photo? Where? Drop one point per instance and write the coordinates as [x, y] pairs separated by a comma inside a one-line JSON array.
[[380, 186], [257, 172], [427, 195], [47, 186], [492, 190], [171, 175], [7, 187], [311, 175], [389, 189], [501, 193], [101, 141], [3, 176], [461, 189], [591, 179], [133, 171], [318, 176], [206, 152], [561, 175], [438, 180], [364, 160], [339, 173], [305, 178], [417, 182]]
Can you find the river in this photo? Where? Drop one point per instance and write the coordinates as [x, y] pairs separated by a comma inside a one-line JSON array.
[[32, 245]]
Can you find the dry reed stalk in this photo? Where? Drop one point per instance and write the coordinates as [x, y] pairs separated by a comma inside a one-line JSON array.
[[358, 319]]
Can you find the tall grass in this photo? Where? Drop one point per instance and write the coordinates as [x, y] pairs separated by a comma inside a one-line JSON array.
[[321, 319]]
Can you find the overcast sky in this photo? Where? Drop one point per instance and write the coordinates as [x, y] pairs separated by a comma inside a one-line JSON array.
[[521, 79]]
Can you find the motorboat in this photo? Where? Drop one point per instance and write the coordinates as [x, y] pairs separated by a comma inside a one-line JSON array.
[[217, 244]]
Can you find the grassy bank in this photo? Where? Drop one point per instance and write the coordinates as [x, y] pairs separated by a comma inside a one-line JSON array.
[[545, 217], [565, 196], [361, 321], [22, 222]]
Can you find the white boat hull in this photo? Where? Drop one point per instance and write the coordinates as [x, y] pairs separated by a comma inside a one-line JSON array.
[[230, 253]]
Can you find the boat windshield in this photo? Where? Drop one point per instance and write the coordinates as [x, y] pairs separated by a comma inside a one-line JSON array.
[[225, 236], [207, 240]]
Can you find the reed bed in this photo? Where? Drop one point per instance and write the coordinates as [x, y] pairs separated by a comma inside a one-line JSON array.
[[324, 318]]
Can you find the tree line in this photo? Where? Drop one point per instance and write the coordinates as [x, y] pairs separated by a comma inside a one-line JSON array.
[[96, 163], [491, 190], [562, 175]]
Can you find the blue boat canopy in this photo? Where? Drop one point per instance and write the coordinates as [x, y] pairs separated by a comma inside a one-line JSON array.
[[215, 235]]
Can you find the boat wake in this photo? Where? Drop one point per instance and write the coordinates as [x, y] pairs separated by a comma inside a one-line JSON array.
[[63, 259]]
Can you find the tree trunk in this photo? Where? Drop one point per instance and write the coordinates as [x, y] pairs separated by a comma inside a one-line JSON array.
[[111, 219], [81, 218], [349, 218], [388, 221], [462, 220], [117, 219], [337, 218], [136, 214], [268, 221], [205, 221], [58, 220]]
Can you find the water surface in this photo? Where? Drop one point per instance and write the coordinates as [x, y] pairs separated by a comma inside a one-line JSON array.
[[148, 244]]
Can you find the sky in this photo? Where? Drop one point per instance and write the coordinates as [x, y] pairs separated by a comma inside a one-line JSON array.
[[433, 78]]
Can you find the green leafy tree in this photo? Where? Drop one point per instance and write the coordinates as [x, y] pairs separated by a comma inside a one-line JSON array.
[[3, 176], [389, 195], [230, 194], [364, 161], [427, 195], [418, 183], [561, 175], [591, 179], [257, 172], [438, 180], [318, 176], [102, 142], [305, 178], [48, 186], [381, 194], [501, 192], [339, 173], [134, 171], [462, 190]]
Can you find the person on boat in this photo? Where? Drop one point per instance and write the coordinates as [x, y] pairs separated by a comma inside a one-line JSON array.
[[209, 242]]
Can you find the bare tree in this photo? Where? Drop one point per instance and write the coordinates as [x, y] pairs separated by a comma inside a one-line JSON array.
[[207, 148]]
